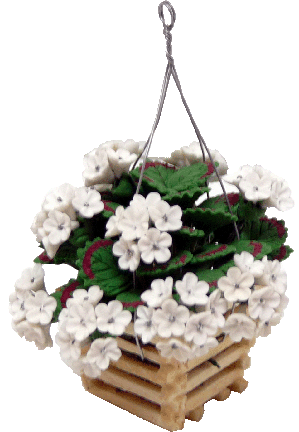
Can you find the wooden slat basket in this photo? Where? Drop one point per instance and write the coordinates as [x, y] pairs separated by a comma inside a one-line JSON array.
[[164, 391]]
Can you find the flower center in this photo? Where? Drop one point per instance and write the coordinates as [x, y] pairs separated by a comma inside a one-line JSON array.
[[97, 168], [213, 310], [86, 204], [155, 247], [199, 327], [172, 318], [174, 346], [130, 253], [262, 301], [149, 324], [60, 227], [273, 277], [255, 188], [59, 199], [165, 218], [110, 320], [32, 280], [86, 298], [237, 286]]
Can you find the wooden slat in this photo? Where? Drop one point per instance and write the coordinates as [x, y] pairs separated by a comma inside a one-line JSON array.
[[211, 354], [205, 371], [140, 369], [132, 384], [133, 404], [213, 386], [149, 352]]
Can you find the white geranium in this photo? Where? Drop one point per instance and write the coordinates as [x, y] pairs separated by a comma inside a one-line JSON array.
[[97, 169], [152, 199], [32, 279], [129, 145], [154, 246], [175, 349], [134, 223], [58, 227], [129, 254], [280, 197], [144, 324], [81, 321], [60, 199], [70, 348], [256, 188], [264, 327], [113, 223], [235, 178], [218, 306], [262, 303], [236, 286], [246, 263], [239, 326], [82, 296], [192, 291], [111, 318], [160, 291], [201, 350], [120, 160], [17, 305], [40, 335], [274, 276], [38, 223], [49, 247], [87, 202], [166, 217], [40, 307], [171, 319], [77, 366], [101, 352], [199, 327], [284, 301]]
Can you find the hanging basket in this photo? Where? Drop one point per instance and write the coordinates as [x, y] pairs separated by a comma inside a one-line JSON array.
[[165, 392]]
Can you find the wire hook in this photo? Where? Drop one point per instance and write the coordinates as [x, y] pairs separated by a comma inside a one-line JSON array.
[[171, 10]]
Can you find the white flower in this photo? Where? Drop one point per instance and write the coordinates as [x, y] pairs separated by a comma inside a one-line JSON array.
[[40, 335], [134, 222], [264, 327], [129, 254], [144, 324], [77, 366], [152, 199], [129, 145], [17, 305], [171, 319], [111, 318], [154, 246], [82, 296], [160, 291], [60, 199], [90, 369], [120, 160], [58, 227], [97, 169], [38, 223], [81, 321], [175, 349], [201, 350], [274, 276], [256, 188], [192, 291], [239, 326], [166, 217], [236, 177], [49, 247], [236, 285], [40, 308], [32, 279], [70, 348], [262, 303], [199, 327], [113, 222], [218, 307], [246, 263], [62, 317], [87, 202], [284, 301], [280, 196], [101, 352]]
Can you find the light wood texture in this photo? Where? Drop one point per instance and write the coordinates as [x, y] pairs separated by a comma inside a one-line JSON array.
[[166, 392]]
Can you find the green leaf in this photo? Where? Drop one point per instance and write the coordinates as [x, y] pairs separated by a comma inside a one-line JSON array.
[[57, 295], [66, 254], [98, 266], [185, 198], [79, 237], [211, 277], [125, 189], [207, 219], [109, 209], [168, 180], [212, 253], [130, 301], [271, 231], [282, 253], [187, 233], [219, 203], [257, 248], [174, 264], [98, 335], [250, 211], [62, 294]]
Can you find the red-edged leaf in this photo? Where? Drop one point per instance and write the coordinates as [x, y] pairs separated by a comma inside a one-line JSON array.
[[160, 269], [213, 252], [109, 209], [256, 248]]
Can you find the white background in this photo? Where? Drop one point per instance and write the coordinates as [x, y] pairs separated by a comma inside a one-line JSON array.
[[74, 74]]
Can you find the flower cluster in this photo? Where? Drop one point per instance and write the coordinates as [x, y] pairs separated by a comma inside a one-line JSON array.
[[84, 315], [143, 227], [260, 185], [58, 216], [32, 308], [202, 269]]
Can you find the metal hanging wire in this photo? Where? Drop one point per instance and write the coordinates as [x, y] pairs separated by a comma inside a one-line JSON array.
[[172, 72]]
